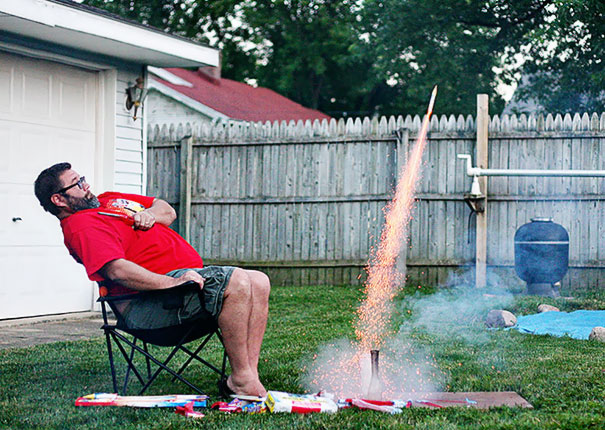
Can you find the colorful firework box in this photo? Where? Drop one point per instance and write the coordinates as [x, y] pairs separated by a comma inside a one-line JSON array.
[[168, 401], [278, 401], [238, 405]]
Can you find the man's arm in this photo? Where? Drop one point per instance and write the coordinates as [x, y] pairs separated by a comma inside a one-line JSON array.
[[160, 211], [131, 275]]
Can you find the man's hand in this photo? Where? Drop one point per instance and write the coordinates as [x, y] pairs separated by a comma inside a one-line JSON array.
[[162, 211], [143, 220], [190, 275]]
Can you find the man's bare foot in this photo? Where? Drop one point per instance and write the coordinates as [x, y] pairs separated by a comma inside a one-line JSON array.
[[261, 389], [250, 387]]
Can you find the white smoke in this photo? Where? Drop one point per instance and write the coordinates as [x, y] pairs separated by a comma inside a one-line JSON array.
[[341, 369], [456, 312]]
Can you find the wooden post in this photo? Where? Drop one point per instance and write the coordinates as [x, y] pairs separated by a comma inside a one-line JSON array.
[[403, 147], [482, 162], [186, 184]]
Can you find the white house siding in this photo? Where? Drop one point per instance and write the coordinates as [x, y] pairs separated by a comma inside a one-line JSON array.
[[164, 110], [129, 169]]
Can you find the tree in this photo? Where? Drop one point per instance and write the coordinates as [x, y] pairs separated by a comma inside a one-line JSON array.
[[566, 66], [309, 53], [363, 57], [464, 46], [215, 22], [303, 49]]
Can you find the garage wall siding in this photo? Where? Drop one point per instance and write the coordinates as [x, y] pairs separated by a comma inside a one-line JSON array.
[[129, 170], [164, 110], [129, 163]]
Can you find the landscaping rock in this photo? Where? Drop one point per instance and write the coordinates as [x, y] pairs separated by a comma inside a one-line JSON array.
[[547, 308], [499, 318], [597, 333]]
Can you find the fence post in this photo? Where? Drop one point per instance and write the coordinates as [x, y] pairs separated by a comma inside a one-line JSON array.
[[403, 147], [482, 162], [403, 136], [185, 191]]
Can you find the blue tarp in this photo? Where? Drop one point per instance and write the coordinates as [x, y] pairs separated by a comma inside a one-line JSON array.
[[577, 324]]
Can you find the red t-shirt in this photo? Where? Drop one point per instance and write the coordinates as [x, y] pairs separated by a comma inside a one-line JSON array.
[[94, 239]]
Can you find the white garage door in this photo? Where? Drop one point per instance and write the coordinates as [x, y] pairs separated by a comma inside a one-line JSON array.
[[47, 115]]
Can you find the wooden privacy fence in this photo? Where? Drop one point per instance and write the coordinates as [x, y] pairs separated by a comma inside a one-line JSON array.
[[303, 202]]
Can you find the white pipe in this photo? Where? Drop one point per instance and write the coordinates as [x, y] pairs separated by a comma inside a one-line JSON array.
[[477, 171]]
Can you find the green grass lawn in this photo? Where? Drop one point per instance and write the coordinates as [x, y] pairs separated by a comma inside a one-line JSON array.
[[563, 378]]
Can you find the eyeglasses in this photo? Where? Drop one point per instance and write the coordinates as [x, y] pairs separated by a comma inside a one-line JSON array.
[[80, 183]]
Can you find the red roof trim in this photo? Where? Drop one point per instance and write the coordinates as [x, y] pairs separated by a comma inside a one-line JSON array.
[[240, 101]]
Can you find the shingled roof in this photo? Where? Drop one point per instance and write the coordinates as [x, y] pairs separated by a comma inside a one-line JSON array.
[[238, 100]]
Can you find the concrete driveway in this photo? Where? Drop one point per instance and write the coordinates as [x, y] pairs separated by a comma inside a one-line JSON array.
[[21, 333]]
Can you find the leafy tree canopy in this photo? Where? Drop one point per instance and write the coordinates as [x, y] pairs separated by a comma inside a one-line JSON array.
[[464, 46], [566, 59], [360, 57], [309, 56], [215, 22]]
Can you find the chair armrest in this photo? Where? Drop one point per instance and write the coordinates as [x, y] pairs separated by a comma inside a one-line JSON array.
[[178, 291], [173, 298]]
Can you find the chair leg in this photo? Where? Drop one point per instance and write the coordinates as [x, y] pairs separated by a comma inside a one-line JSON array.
[[162, 366], [107, 331], [224, 366], [117, 337], [111, 363], [147, 359], [192, 355], [130, 360]]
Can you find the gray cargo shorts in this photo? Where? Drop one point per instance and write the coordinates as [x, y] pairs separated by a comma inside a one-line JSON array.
[[152, 312]]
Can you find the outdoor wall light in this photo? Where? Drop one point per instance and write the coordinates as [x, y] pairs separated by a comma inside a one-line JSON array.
[[135, 96]]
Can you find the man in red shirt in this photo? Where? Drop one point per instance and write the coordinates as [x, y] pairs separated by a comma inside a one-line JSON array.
[[125, 239]]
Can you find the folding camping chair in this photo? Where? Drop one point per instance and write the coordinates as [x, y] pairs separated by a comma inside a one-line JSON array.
[[175, 336]]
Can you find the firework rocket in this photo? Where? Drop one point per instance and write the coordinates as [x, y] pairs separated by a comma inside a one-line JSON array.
[[429, 111]]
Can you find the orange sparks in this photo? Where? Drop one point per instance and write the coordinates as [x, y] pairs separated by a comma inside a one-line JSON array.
[[344, 369], [383, 279]]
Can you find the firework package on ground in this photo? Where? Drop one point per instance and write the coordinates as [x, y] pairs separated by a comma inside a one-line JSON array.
[[275, 402], [278, 401], [167, 401]]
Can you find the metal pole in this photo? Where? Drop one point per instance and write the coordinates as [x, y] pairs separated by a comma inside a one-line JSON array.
[[478, 171]]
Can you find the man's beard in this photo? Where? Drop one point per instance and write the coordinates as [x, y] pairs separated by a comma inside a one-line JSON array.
[[81, 203]]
